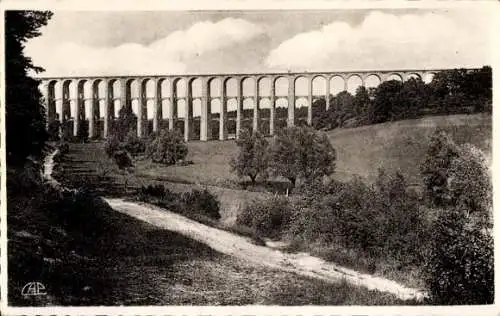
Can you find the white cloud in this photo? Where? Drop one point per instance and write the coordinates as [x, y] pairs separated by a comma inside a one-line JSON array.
[[167, 55], [388, 41]]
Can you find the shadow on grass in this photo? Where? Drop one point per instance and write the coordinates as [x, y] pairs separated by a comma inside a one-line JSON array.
[[94, 257]]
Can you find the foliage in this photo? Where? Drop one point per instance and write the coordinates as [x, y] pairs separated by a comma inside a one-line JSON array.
[[435, 169], [469, 182], [112, 145], [252, 158], [53, 130], [192, 204], [124, 124], [301, 152], [450, 92], [123, 134], [82, 134], [166, 147], [269, 218], [202, 202], [460, 263], [63, 147], [461, 266], [134, 144], [25, 116], [123, 160]]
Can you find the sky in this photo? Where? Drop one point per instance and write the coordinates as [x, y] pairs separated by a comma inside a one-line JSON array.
[[179, 42]]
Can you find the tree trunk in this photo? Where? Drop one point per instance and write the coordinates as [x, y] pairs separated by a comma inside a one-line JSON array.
[[293, 180], [252, 178]]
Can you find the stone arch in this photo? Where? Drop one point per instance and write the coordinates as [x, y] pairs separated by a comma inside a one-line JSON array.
[[148, 88], [248, 86], [413, 75], [73, 97], [428, 77], [281, 84], [179, 86], [195, 87], [394, 76], [231, 87], [264, 86], [353, 82], [215, 87], [163, 86], [318, 85], [88, 92], [301, 86], [232, 105], [132, 88], [196, 107], [372, 81], [281, 114], [337, 84], [115, 93]]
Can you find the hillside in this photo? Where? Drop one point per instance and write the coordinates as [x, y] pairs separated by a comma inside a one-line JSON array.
[[361, 151]]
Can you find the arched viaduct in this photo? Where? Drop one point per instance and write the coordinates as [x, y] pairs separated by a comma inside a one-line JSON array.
[[98, 98]]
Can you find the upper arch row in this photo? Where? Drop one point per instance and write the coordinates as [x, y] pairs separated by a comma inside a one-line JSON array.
[[381, 75]]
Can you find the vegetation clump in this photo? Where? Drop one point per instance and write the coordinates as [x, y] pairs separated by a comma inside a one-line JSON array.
[[252, 159], [196, 204], [166, 147], [302, 153], [460, 264], [450, 92]]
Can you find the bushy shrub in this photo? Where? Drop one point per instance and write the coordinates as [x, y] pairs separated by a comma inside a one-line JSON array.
[[379, 222], [111, 145], [63, 147], [202, 202], [134, 144], [435, 169], [123, 160], [270, 217], [460, 267], [154, 190], [469, 182], [460, 261], [166, 147]]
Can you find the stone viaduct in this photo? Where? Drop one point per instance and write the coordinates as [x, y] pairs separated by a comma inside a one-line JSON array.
[[79, 98]]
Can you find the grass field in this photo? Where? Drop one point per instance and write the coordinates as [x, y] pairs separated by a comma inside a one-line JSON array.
[[360, 151]]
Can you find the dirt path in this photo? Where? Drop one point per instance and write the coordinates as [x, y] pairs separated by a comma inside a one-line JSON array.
[[240, 247]]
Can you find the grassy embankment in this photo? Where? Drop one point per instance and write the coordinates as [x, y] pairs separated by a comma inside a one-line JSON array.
[[87, 254], [107, 258], [361, 151]]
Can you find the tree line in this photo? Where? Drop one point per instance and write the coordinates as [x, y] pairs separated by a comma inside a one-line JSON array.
[[457, 91]]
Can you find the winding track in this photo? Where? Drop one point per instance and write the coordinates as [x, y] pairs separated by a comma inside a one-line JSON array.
[[240, 247]]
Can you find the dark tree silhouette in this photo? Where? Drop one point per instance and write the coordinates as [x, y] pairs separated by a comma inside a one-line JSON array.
[[25, 115]]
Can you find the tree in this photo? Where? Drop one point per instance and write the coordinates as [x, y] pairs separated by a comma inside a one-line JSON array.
[[459, 264], [386, 100], [166, 147], [25, 116], [83, 131], [252, 159], [362, 105], [301, 152], [435, 168], [124, 124]]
